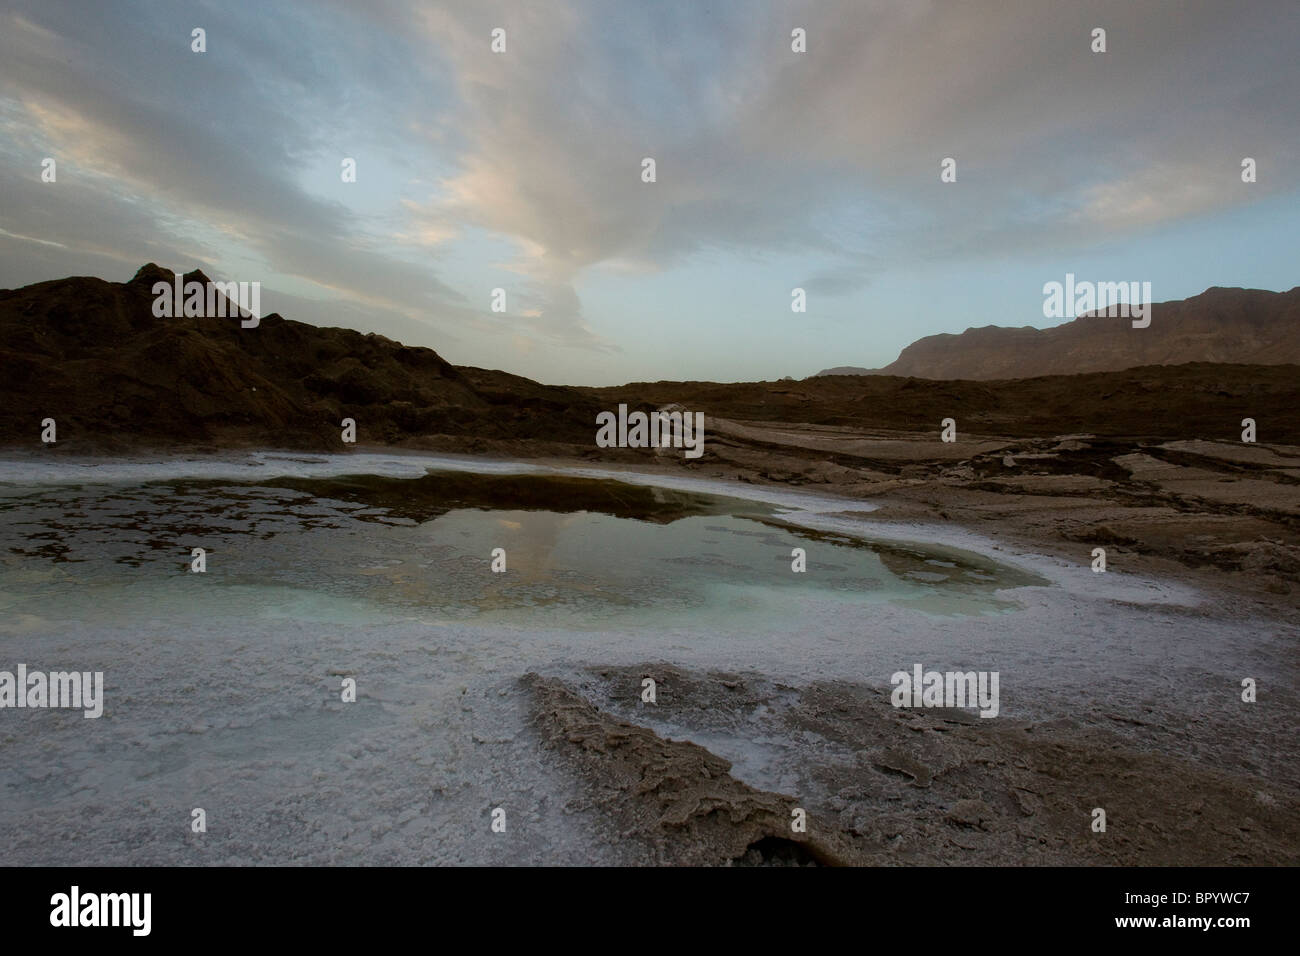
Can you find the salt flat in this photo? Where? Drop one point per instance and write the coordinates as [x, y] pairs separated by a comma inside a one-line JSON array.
[[228, 697]]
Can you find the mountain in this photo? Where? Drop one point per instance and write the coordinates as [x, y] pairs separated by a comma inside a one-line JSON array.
[[1232, 326], [91, 355]]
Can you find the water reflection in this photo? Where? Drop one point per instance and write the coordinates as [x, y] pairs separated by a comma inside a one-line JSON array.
[[579, 553]]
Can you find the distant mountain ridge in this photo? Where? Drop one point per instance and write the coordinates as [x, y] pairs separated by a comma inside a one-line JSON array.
[[1221, 325]]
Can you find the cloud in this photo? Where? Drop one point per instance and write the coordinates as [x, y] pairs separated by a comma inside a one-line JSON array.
[[757, 147], [198, 167], [836, 282], [830, 157]]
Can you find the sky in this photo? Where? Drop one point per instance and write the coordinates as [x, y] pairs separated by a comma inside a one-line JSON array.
[[775, 169]]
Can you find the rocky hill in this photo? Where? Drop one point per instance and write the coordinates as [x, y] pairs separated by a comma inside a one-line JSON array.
[[91, 355]]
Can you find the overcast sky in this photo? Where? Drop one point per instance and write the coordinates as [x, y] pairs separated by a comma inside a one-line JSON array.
[[775, 169]]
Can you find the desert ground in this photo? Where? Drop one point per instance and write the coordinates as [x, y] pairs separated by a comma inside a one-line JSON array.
[[904, 787]]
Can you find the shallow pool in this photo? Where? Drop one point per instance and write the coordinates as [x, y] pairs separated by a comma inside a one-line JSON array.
[[581, 553]]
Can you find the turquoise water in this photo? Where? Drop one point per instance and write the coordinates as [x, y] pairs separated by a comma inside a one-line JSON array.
[[581, 554]]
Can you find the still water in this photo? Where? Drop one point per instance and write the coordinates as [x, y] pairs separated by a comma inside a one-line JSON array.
[[579, 553]]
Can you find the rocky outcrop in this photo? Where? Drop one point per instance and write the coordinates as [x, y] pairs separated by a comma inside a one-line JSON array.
[[92, 355], [675, 797]]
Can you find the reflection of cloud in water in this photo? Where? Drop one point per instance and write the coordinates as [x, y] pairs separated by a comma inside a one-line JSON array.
[[612, 553]]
